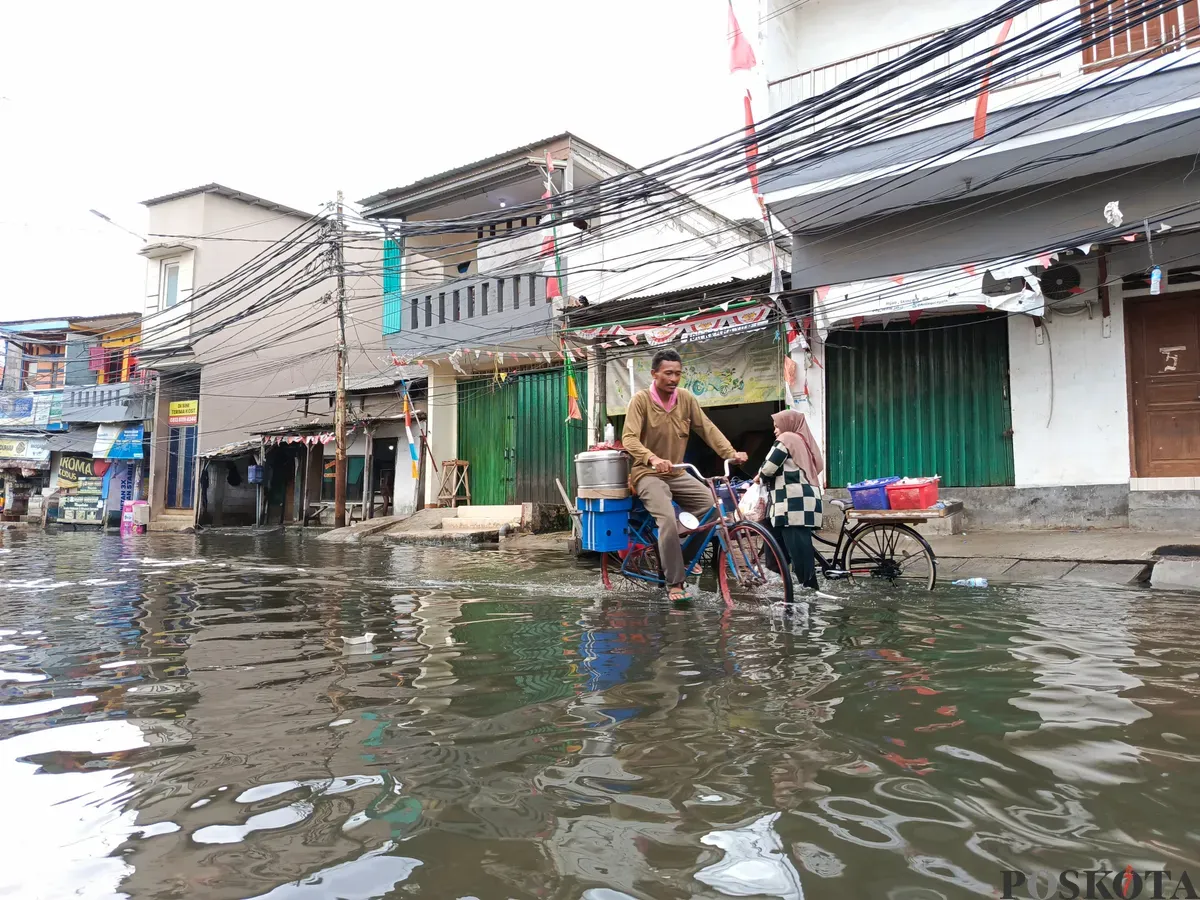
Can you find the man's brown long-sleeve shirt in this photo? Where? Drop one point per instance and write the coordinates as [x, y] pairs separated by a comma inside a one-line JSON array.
[[652, 431]]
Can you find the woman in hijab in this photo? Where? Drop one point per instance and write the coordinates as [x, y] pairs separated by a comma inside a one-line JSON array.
[[792, 475]]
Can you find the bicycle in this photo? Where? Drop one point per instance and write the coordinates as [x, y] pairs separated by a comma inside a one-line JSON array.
[[878, 547], [744, 554]]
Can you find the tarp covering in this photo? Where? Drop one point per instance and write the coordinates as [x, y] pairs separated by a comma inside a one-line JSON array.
[[943, 289]]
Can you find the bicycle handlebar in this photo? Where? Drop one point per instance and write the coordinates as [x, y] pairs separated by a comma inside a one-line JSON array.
[[696, 471]]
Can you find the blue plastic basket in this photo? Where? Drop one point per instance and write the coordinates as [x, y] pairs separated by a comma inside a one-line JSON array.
[[872, 493]]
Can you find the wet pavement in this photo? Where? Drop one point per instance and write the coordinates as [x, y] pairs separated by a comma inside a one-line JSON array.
[[182, 717]]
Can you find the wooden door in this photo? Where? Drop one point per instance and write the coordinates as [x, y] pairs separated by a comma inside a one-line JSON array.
[[1163, 346]]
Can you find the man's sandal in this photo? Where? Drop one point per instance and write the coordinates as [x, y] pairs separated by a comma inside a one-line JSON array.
[[676, 592]]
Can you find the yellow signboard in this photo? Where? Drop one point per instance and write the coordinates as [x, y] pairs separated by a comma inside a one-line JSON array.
[[183, 412], [24, 448]]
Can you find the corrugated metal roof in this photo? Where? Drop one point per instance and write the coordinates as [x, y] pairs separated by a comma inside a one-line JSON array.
[[238, 448], [77, 440], [359, 382], [392, 194], [215, 188]]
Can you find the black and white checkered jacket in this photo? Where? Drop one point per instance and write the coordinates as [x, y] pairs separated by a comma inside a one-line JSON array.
[[790, 504]]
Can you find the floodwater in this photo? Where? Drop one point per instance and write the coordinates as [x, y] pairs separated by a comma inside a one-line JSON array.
[[181, 717]]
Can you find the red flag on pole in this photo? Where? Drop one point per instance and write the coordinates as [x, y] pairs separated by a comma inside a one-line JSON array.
[[981, 104], [741, 54], [752, 147]]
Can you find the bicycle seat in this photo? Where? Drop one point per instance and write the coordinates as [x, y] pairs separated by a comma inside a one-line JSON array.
[[842, 504]]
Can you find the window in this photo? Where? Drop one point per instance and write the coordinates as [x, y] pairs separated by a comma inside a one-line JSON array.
[[169, 290], [1118, 33]]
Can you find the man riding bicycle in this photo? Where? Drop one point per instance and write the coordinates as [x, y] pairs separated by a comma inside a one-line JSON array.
[[657, 424]]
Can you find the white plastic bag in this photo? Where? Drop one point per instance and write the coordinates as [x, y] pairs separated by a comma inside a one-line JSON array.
[[753, 504]]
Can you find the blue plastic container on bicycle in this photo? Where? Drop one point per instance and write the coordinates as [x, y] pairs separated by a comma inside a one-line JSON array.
[[605, 523], [872, 493]]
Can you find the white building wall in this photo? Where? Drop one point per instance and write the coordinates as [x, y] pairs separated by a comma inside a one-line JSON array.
[[1086, 438], [1070, 424]]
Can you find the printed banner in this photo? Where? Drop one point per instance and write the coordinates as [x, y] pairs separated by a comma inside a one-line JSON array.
[[30, 410], [747, 371], [118, 442], [81, 473], [23, 448], [698, 328], [182, 413]]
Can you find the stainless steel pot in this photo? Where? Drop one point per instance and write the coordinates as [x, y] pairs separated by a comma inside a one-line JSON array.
[[602, 470]]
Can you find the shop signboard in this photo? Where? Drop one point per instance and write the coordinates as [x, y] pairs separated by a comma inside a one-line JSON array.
[[182, 413], [81, 473], [17, 447], [81, 507], [118, 442], [718, 373]]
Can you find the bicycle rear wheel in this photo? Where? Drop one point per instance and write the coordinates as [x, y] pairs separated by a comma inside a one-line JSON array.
[[894, 553], [744, 569]]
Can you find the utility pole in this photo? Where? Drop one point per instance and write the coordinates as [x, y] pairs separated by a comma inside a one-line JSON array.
[[339, 420]]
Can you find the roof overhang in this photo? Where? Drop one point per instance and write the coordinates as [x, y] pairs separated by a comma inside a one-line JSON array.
[[1027, 145]]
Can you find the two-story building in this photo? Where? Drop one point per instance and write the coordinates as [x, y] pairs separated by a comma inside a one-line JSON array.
[[1003, 256], [72, 413], [471, 293], [239, 309]]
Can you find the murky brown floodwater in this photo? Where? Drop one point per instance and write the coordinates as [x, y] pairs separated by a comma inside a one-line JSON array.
[[179, 717]]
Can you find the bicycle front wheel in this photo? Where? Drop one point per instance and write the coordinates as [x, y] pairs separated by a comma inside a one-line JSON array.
[[752, 567], [894, 553]]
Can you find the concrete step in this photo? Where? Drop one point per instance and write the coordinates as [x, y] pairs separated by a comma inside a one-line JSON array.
[[172, 523], [489, 524], [488, 513]]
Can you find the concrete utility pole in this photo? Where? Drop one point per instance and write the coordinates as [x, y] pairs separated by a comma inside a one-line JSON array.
[[339, 420]]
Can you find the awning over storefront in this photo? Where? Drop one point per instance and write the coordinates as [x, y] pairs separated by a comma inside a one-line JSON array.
[[1011, 287], [119, 442], [77, 440]]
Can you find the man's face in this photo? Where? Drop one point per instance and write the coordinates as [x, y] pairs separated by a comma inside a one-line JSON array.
[[666, 377]]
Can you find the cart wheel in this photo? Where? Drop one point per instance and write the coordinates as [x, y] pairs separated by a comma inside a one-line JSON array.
[[759, 563], [895, 553], [639, 562]]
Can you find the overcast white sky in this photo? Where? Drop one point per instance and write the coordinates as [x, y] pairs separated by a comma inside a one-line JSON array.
[[107, 104]]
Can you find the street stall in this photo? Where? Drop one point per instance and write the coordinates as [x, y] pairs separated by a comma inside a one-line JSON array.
[[24, 470]]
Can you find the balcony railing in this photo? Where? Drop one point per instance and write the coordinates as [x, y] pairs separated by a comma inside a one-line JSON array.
[[126, 402], [804, 85], [475, 312]]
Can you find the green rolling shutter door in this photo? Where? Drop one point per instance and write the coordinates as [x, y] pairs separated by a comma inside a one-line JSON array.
[[930, 398], [546, 443], [486, 420], [516, 436]]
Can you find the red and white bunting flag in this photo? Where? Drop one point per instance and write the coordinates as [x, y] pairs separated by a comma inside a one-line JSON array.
[[823, 292], [899, 279], [1045, 259], [969, 269]]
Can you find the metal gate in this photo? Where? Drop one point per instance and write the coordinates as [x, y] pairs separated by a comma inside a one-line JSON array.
[[546, 442], [486, 433], [930, 398], [516, 436]]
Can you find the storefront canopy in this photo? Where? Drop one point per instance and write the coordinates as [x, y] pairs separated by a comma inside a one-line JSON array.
[[1010, 287], [77, 440]]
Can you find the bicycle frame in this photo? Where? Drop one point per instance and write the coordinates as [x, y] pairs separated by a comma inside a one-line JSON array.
[[714, 525]]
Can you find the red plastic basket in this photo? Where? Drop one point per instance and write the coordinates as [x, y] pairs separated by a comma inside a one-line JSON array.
[[913, 493]]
